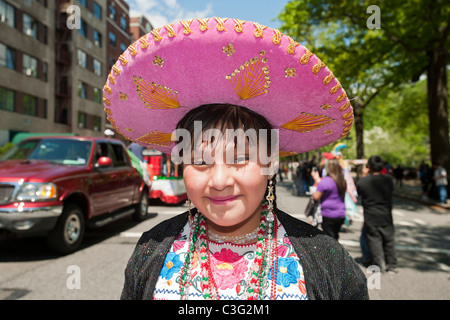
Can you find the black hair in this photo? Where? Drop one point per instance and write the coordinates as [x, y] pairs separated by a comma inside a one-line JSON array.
[[224, 116], [375, 163]]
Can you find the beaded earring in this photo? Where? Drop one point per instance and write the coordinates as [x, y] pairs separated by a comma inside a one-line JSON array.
[[270, 197], [191, 216]]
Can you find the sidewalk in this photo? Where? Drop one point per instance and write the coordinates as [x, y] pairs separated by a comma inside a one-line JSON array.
[[412, 190]]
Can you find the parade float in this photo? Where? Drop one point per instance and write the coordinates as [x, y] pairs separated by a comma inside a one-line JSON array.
[[166, 179]]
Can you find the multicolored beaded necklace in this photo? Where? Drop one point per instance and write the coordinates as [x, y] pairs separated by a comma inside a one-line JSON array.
[[265, 257]]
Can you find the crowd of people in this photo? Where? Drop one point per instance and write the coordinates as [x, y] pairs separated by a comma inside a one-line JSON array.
[[327, 186]]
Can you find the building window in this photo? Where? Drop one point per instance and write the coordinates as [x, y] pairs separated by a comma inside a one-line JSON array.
[[97, 38], [29, 105], [7, 14], [6, 99], [83, 3], [123, 23], [81, 120], [97, 123], [111, 62], [97, 67], [30, 66], [112, 39], [97, 11], [29, 26], [123, 46], [7, 57], [83, 30], [112, 11], [82, 89], [98, 95], [45, 71], [82, 58]]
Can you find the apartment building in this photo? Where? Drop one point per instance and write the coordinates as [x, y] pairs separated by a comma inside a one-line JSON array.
[[54, 60], [27, 70], [139, 26]]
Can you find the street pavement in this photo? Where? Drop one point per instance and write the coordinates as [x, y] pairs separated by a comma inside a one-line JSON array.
[[29, 271]]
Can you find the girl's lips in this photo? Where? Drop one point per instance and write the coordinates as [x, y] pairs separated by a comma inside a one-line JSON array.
[[222, 200]]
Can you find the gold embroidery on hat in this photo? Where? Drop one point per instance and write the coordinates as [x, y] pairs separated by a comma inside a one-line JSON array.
[[319, 65], [328, 78], [259, 30], [325, 106], [129, 129], [156, 36], [306, 122], [341, 97], [251, 79], [229, 49], [276, 39], [170, 32], [116, 70], [203, 26], [107, 89], [123, 96], [328, 132], [107, 111], [123, 60], [187, 26], [335, 89], [344, 106], [292, 44], [282, 154], [305, 58], [132, 49], [239, 25], [111, 79], [290, 72], [155, 96], [157, 138], [347, 115], [158, 61], [144, 43], [220, 24], [106, 101]]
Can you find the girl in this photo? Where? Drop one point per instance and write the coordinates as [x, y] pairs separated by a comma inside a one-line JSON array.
[[221, 88]]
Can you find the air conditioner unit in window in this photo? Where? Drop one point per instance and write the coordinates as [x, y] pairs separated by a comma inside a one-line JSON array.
[[2, 18], [29, 72], [28, 32]]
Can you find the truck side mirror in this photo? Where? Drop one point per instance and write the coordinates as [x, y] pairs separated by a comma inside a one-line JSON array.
[[104, 162]]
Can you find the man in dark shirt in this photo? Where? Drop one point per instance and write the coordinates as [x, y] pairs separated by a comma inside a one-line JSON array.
[[375, 191]]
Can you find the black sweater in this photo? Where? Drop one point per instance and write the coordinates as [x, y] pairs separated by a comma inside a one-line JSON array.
[[330, 272]]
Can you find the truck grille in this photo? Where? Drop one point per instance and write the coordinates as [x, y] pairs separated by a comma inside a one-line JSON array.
[[6, 192]]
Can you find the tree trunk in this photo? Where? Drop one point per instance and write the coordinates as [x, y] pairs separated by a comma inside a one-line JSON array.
[[438, 107], [358, 111]]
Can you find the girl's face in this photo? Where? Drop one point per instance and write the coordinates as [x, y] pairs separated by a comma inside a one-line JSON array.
[[227, 194]]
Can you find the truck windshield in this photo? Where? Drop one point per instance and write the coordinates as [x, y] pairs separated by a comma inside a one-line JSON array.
[[62, 151]]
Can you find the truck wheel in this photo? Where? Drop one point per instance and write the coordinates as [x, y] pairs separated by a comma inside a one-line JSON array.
[[68, 233], [142, 207]]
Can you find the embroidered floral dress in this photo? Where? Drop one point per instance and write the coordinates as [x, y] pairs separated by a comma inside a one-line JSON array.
[[229, 265]]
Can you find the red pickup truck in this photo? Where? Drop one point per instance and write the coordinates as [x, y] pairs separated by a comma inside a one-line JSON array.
[[58, 186]]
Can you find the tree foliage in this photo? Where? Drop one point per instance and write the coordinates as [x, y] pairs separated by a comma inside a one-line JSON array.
[[373, 65]]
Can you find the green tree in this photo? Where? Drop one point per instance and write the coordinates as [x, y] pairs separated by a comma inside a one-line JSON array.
[[412, 40]]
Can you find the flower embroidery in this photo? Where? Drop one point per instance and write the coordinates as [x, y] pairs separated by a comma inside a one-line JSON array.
[[228, 268], [172, 265], [287, 272]]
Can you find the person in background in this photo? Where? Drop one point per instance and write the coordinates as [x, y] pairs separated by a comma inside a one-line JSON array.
[[331, 193], [375, 191], [440, 178]]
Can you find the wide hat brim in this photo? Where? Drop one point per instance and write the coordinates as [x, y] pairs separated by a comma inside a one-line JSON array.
[[181, 66]]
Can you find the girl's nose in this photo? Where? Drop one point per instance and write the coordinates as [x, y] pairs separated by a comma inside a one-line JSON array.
[[221, 176]]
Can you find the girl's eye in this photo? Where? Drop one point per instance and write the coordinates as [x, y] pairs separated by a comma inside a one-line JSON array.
[[241, 159]]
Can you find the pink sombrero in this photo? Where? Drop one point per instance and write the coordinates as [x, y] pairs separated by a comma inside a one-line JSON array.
[[181, 66]]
